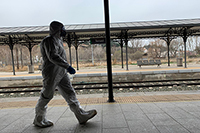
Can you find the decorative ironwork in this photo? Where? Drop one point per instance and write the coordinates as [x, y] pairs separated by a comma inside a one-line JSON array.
[[166, 30]]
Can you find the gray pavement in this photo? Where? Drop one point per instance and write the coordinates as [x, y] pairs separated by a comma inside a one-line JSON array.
[[102, 71], [115, 68], [146, 117], [137, 117]]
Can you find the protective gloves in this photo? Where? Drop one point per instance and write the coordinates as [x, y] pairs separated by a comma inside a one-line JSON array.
[[71, 70]]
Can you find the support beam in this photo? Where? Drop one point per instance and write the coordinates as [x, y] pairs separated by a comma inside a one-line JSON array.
[[11, 48], [29, 46], [30, 51], [70, 55], [69, 45], [76, 47], [126, 44], [121, 44], [13, 64], [168, 43], [168, 40], [108, 52], [185, 36], [77, 58], [92, 54], [17, 58], [185, 54]]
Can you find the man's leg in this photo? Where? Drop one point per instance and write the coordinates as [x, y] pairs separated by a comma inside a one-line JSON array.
[[41, 107], [68, 92]]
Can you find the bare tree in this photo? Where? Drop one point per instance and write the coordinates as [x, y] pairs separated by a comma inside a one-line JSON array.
[[136, 44], [156, 48], [5, 54], [99, 53], [175, 46], [197, 44], [191, 43]]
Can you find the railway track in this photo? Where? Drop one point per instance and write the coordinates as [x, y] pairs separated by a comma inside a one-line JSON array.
[[116, 85]]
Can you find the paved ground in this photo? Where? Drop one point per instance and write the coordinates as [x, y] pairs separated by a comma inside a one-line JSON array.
[[115, 69], [137, 112], [154, 112]]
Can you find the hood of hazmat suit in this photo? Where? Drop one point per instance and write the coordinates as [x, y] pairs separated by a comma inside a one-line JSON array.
[[54, 56]]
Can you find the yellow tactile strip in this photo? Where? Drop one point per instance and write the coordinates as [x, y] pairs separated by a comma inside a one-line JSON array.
[[129, 99]]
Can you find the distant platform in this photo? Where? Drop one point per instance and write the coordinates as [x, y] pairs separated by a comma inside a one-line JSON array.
[[93, 72]]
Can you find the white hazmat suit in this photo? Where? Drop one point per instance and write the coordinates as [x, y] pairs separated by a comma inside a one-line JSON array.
[[54, 72]]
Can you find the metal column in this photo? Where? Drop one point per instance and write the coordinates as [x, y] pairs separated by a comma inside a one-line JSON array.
[[121, 44], [70, 55], [76, 47], [11, 48], [69, 45], [168, 43], [17, 58], [185, 40], [168, 40], [108, 52], [92, 54], [126, 43], [30, 46], [30, 51]]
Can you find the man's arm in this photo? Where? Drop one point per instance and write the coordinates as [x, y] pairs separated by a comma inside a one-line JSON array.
[[52, 53]]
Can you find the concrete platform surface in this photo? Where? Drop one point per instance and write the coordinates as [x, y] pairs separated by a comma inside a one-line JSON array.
[[154, 112], [115, 69], [102, 72]]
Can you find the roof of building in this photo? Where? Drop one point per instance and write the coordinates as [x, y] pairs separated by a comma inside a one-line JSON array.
[[142, 29]]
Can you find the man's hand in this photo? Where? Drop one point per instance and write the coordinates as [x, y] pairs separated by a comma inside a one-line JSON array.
[[71, 70]]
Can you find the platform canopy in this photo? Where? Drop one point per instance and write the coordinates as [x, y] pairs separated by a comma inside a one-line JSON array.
[[142, 29], [167, 30]]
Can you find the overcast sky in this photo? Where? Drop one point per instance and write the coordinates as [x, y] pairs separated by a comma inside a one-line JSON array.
[[42, 12]]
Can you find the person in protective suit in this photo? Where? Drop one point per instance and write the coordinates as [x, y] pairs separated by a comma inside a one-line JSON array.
[[54, 72]]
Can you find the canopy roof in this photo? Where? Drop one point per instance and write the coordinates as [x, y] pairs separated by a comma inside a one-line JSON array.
[[142, 29]]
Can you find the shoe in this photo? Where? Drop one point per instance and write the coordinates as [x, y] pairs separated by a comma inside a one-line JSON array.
[[86, 116], [42, 122], [82, 115]]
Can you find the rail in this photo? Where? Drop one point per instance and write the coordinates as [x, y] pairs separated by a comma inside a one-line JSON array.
[[103, 85]]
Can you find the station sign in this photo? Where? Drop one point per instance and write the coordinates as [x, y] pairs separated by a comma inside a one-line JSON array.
[[97, 40]]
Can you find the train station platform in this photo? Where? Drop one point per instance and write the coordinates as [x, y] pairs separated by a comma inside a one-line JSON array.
[[116, 69], [141, 112], [133, 112], [99, 74]]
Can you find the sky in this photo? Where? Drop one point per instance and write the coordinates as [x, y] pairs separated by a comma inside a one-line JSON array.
[[14, 13]]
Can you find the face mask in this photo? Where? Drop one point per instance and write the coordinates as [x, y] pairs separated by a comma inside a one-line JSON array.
[[63, 32]]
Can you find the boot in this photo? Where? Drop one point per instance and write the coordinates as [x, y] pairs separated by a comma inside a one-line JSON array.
[[81, 115], [40, 118], [41, 121]]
